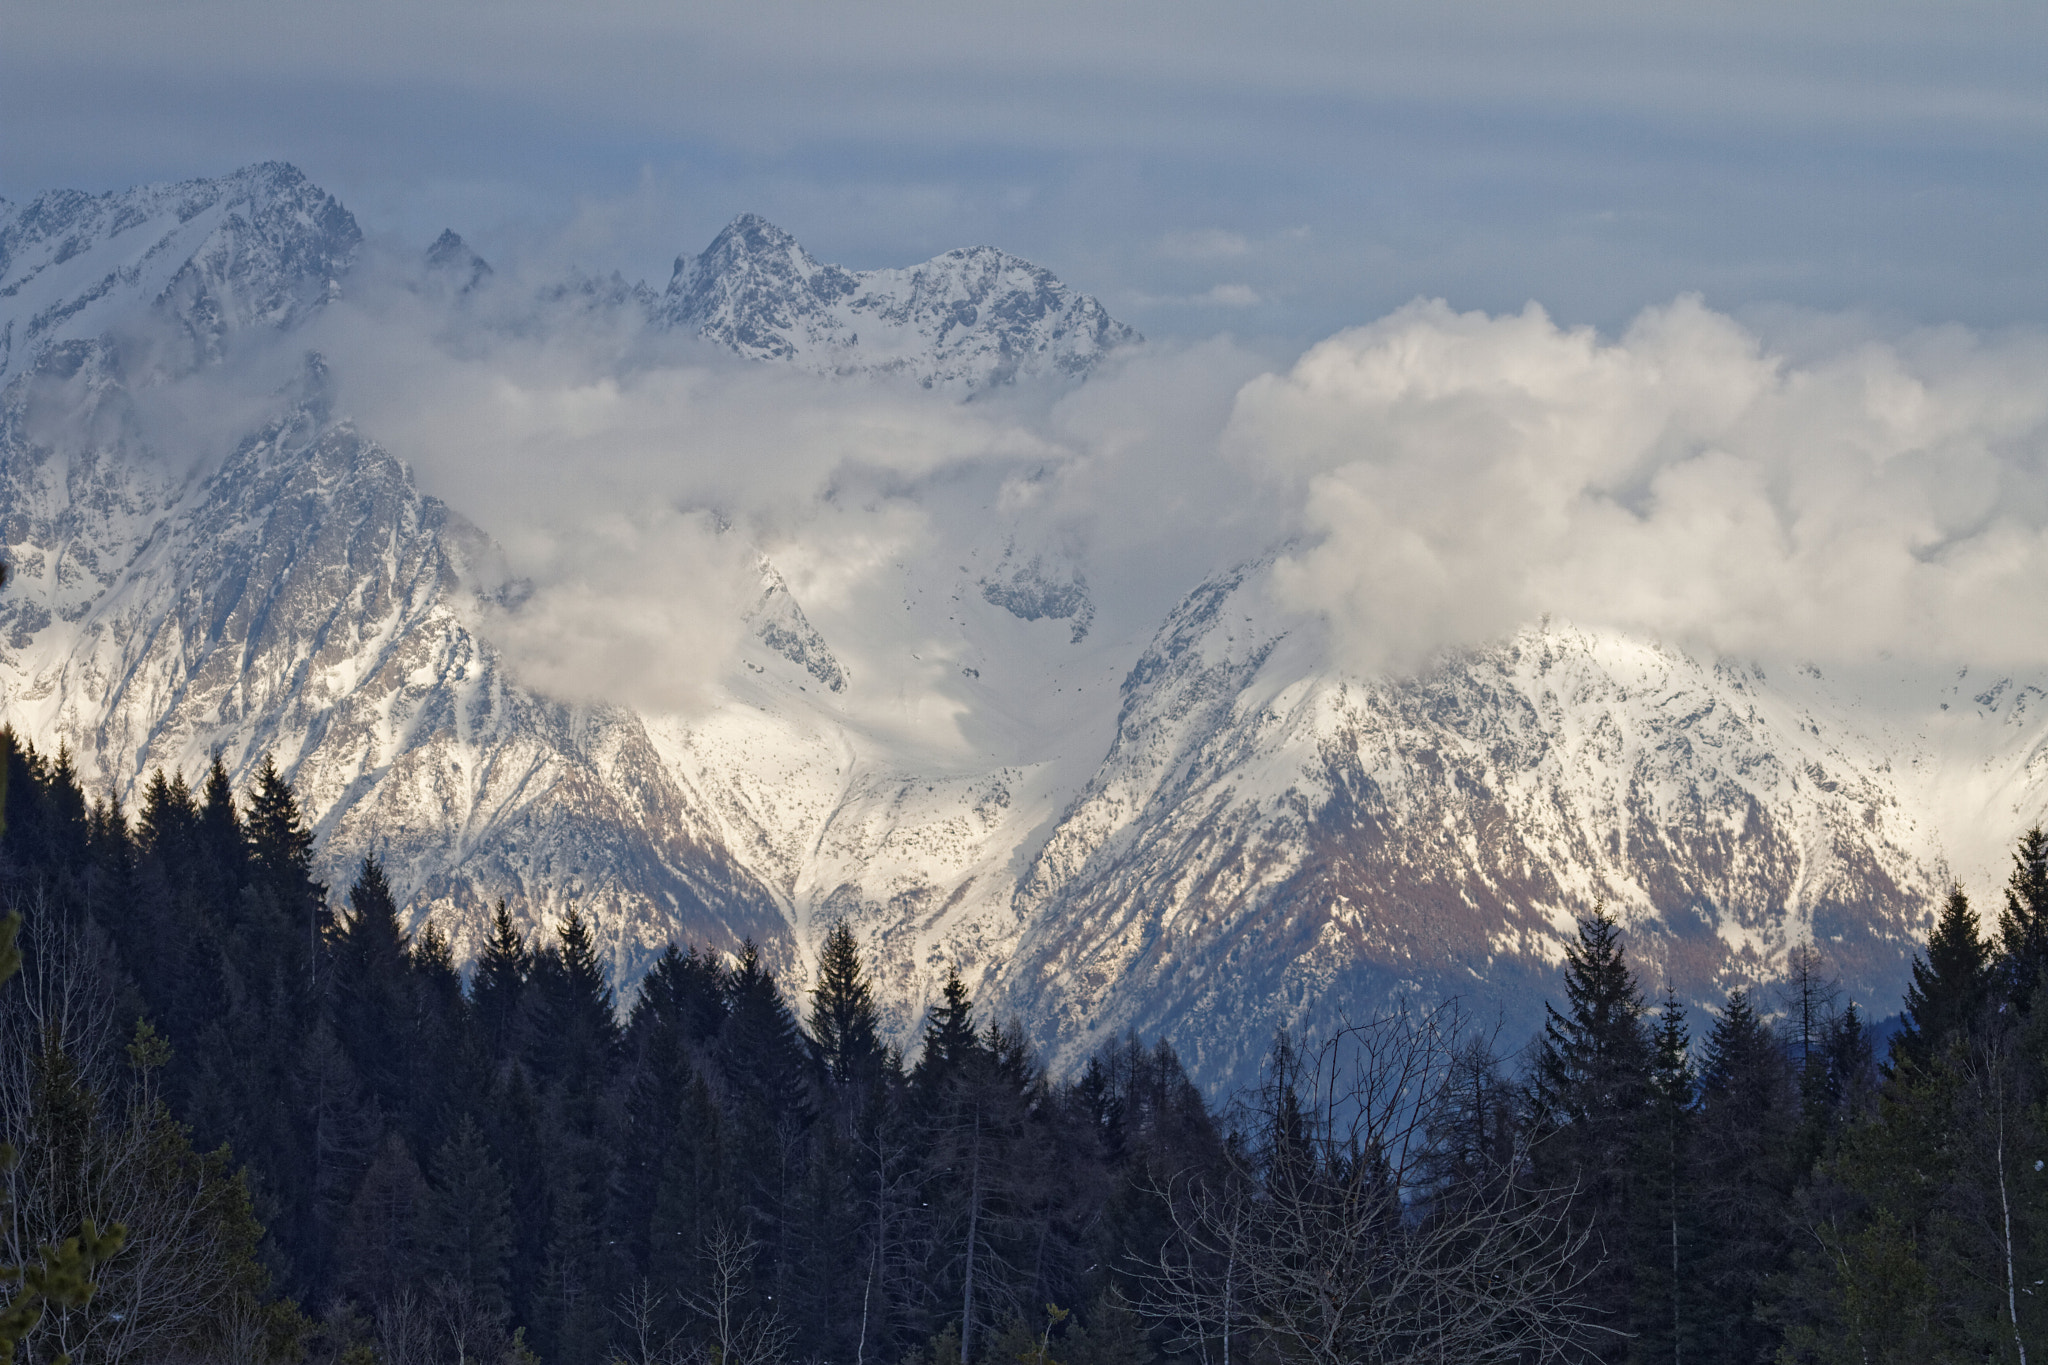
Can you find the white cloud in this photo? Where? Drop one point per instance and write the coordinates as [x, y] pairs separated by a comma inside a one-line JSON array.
[[1462, 474], [634, 481]]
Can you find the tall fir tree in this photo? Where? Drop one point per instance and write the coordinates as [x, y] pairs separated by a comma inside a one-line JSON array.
[[498, 986], [1748, 1124], [844, 1022], [2023, 924], [1592, 1112], [1669, 1307], [466, 1229], [372, 993], [949, 1042], [1951, 984]]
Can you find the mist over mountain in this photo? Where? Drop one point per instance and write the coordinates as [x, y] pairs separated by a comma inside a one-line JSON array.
[[1151, 687]]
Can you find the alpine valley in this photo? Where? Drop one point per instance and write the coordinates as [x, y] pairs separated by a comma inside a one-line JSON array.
[[1203, 827]]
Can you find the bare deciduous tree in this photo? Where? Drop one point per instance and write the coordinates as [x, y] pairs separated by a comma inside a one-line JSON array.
[[1341, 1235], [99, 1145], [737, 1335]]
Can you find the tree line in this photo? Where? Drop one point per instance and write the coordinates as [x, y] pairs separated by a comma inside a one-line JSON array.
[[320, 1141]]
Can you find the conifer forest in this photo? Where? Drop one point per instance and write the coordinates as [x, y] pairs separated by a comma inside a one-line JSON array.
[[250, 1119]]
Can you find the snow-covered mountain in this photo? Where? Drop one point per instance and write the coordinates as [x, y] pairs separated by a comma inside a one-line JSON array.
[[1205, 829], [964, 321], [261, 247]]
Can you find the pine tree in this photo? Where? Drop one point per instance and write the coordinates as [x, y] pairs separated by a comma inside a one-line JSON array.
[[1748, 1122], [497, 988], [372, 990], [844, 1023], [466, 1227], [2023, 924], [1951, 983], [1592, 1111], [950, 1041], [1668, 1307]]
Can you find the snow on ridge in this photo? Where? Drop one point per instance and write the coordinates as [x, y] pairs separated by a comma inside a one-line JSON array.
[[1224, 834], [260, 247], [968, 320]]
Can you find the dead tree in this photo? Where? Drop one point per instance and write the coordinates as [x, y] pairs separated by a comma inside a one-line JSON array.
[[1334, 1238]]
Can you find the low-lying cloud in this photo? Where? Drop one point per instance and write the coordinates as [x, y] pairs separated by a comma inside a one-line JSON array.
[[1459, 475], [1820, 491], [636, 480]]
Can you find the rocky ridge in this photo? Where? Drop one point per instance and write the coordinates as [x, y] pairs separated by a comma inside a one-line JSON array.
[[1222, 833]]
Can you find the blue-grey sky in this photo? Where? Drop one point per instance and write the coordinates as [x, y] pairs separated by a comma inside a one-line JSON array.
[[1279, 170]]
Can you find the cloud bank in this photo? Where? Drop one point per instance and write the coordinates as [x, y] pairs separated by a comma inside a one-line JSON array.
[[1461, 475], [635, 482]]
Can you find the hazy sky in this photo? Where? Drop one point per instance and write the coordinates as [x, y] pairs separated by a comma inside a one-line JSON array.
[[1279, 170]]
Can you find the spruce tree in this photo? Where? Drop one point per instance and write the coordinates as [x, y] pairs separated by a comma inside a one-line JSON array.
[[1951, 983], [220, 844], [373, 996], [497, 987], [466, 1227], [378, 1254], [688, 990], [844, 1023], [2023, 924], [1668, 1306], [1748, 1123], [281, 845], [1591, 1102], [949, 1042]]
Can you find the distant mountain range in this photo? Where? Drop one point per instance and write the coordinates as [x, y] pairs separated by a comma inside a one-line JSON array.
[[1209, 832]]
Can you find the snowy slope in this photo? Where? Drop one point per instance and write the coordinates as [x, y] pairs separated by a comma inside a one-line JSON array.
[[1208, 830], [207, 258], [964, 321]]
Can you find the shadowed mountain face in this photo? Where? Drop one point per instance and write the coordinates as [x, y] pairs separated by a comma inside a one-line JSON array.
[[1229, 834]]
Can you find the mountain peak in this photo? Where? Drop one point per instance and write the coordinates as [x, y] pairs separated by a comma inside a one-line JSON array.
[[969, 320], [261, 246], [453, 259]]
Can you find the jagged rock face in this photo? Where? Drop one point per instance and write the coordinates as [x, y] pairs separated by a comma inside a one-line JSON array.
[[967, 320], [1240, 836], [451, 260], [306, 601], [1269, 844], [259, 248]]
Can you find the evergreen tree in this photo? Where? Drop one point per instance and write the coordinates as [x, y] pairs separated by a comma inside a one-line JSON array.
[[688, 991], [373, 990], [378, 1253], [1591, 1099], [949, 1042], [466, 1227], [2023, 924], [514, 1128], [1748, 1123], [844, 1023], [1951, 982], [698, 1191], [281, 861], [1669, 1307], [497, 987], [767, 1068]]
